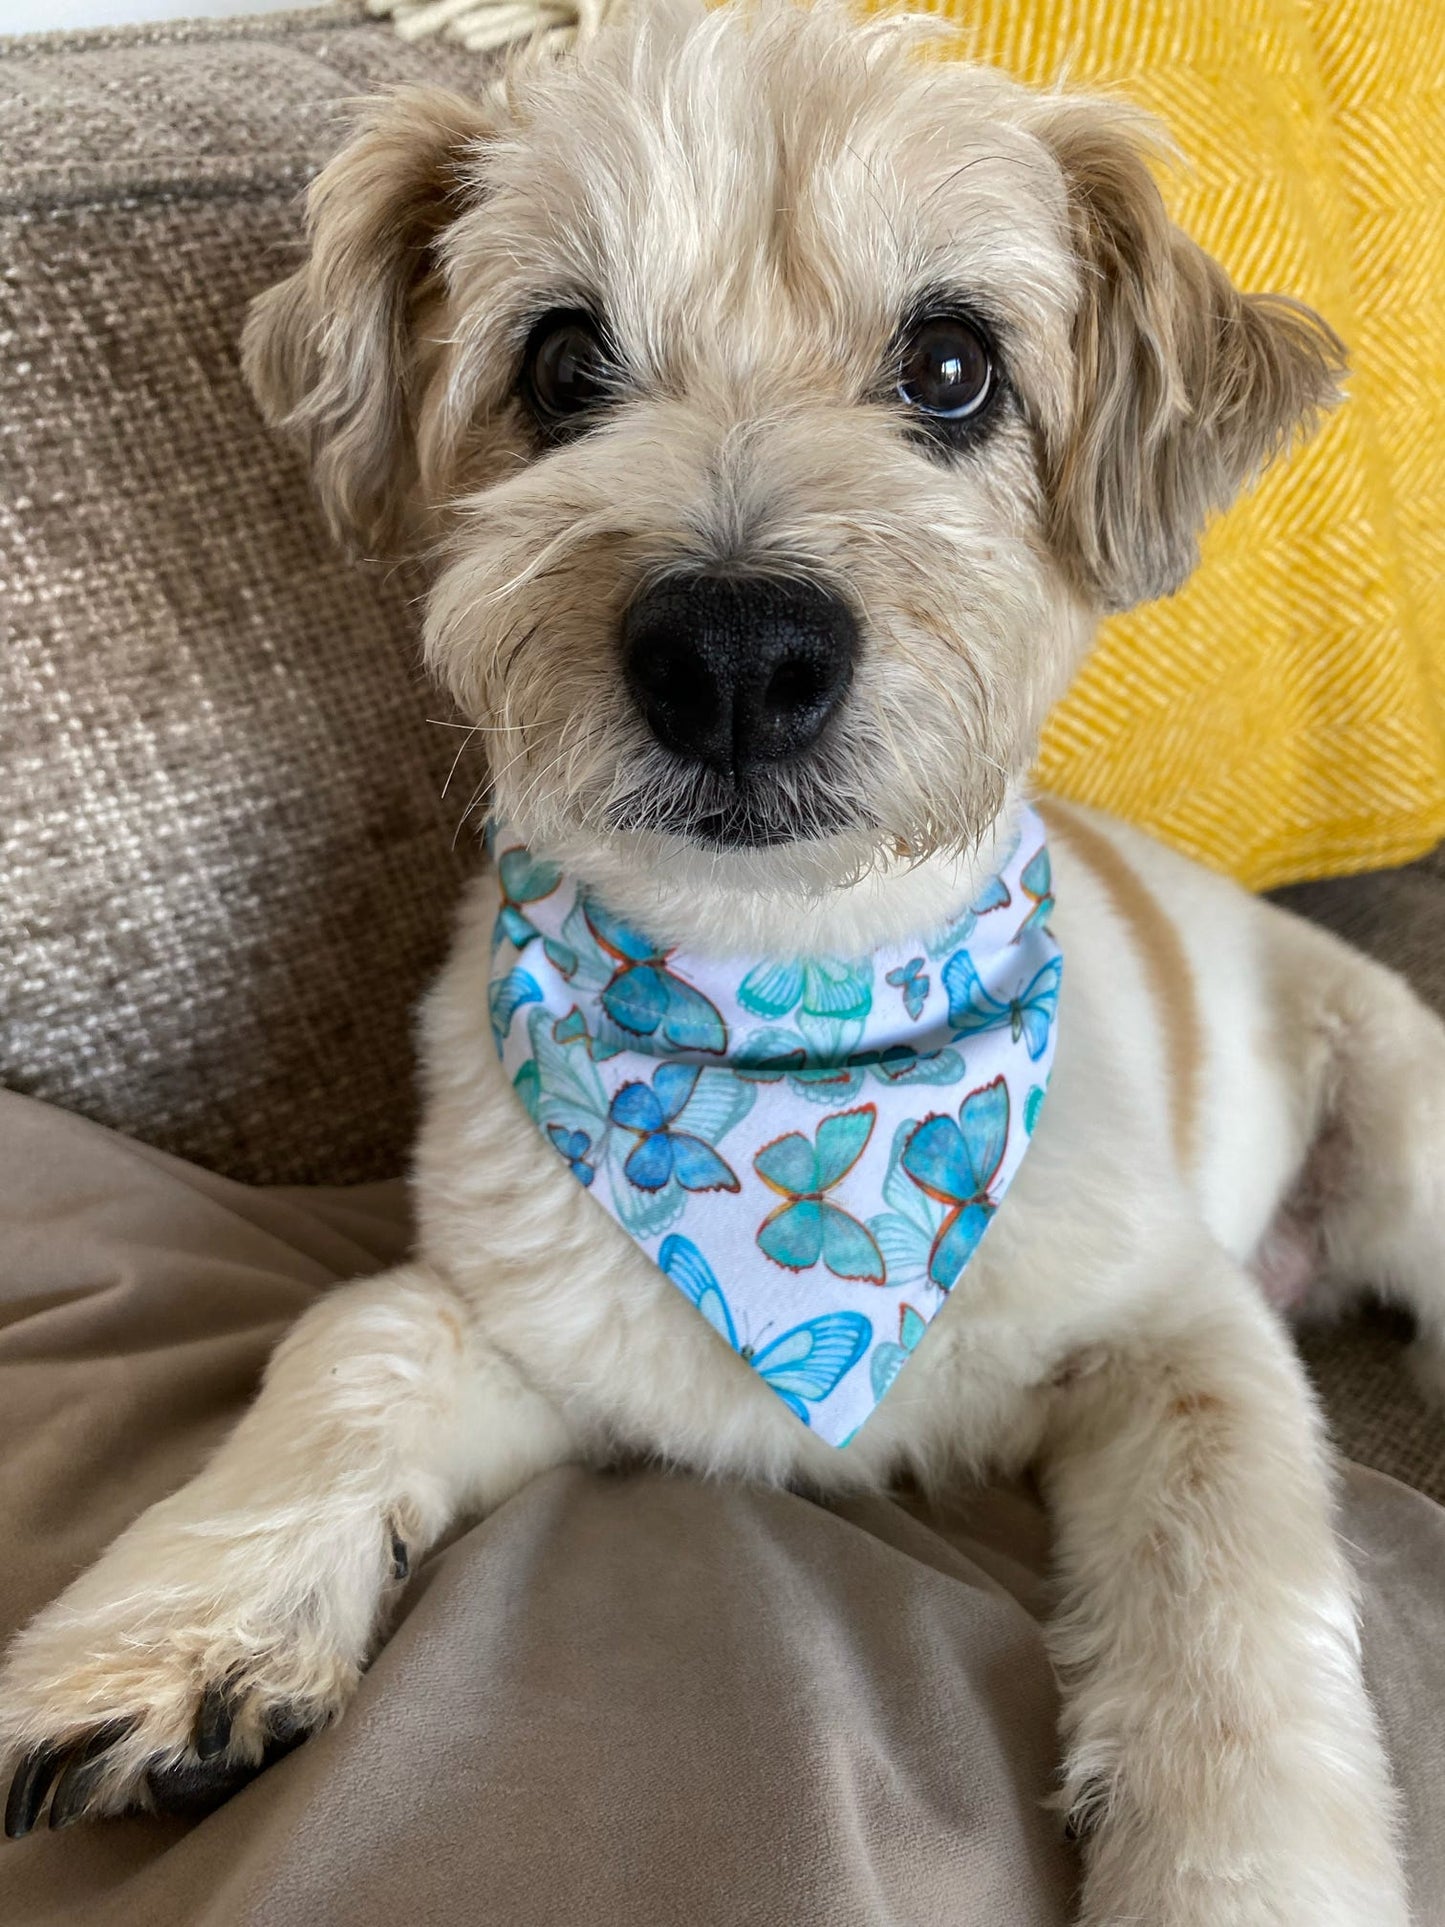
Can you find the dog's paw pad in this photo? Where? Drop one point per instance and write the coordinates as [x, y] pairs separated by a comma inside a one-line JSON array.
[[193, 1788]]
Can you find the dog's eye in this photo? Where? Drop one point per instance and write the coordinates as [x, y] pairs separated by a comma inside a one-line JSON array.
[[945, 370], [566, 370]]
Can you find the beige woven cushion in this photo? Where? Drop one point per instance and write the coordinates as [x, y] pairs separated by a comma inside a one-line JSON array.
[[227, 861], [1376, 1413]]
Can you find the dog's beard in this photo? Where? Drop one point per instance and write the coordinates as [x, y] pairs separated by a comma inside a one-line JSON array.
[[799, 802]]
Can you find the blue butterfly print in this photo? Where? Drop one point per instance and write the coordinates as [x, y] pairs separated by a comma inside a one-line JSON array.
[[573, 1146], [1033, 1104], [1037, 883], [809, 1225], [906, 1230], [994, 895], [527, 1084], [818, 986], [769, 1056], [647, 999], [566, 1088], [831, 996], [911, 980], [662, 1153], [901, 1064], [956, 1164], [572, 1029], [805, 1364], [971, 1008], [523, 880], [507, 996], [889, 1359]]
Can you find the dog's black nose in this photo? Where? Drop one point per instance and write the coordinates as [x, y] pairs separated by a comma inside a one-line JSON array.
[[734, 670]]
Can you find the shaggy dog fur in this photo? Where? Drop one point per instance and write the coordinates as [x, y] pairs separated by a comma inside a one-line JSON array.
[[755, 212]]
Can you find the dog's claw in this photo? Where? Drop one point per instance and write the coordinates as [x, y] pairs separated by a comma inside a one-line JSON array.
[[72, 1766], [73, 1789], [29, 1788], [83, 1771], [400, 1557], [212, 1733]]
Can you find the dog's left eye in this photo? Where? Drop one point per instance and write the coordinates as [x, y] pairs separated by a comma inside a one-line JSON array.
[[945, 369], [567, 370]]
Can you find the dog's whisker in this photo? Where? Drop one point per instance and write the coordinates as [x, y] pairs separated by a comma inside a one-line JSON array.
[[471, 804], [462, 749]]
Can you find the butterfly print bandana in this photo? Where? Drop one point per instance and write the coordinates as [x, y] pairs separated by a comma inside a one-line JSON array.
[[810, 1148]]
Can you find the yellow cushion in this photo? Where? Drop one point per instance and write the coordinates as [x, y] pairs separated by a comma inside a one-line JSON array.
[[1284, 715]]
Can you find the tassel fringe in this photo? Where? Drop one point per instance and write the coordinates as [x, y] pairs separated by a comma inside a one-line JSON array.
[[539, 29]]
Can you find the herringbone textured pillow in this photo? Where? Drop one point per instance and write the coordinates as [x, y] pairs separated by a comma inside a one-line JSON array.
[[1284, 716]]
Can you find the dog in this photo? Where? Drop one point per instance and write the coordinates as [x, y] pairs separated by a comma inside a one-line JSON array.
[[778, 410]]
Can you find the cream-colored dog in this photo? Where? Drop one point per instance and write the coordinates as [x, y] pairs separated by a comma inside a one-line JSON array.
[[769, 301]]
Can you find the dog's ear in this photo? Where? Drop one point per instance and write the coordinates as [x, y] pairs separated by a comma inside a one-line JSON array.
[[332, 354], [1184, 388]]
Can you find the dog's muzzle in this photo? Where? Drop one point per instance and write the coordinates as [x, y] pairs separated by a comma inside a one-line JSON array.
[[738, 672]]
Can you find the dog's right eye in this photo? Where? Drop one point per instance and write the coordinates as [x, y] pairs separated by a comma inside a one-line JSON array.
[[945, 370], [567, 371]]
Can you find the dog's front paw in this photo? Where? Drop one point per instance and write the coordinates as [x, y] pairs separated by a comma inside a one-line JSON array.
[[187, 1660]]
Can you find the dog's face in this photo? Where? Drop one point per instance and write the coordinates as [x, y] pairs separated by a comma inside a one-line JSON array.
[[783, 408]]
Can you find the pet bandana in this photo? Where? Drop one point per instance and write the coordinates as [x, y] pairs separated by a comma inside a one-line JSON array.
[[810, 1148]]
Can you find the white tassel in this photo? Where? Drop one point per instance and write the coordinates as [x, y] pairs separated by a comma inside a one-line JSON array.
[[543, 28]]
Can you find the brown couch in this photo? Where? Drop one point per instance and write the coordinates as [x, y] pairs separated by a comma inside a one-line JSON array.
[[228, 863], [229, 848]]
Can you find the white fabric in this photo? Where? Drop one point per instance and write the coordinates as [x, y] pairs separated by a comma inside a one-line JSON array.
[[810, 1148]]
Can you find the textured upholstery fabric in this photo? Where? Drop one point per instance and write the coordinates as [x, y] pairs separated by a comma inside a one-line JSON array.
[[1284, 715], [226, 863], [1375, 1412]]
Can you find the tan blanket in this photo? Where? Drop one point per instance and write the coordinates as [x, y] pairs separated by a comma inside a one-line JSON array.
[[628, 1698]]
